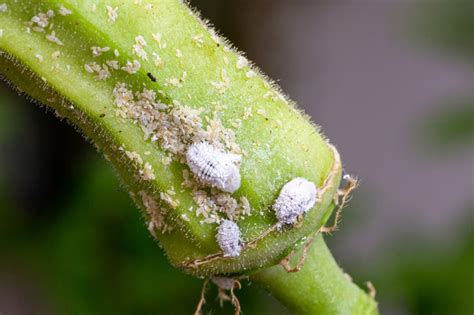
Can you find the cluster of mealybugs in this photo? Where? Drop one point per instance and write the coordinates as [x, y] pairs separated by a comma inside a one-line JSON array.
[[218, 169]]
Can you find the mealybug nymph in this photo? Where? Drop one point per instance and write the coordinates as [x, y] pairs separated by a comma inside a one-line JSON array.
[[295, 199], [228, 238], [214, 167]]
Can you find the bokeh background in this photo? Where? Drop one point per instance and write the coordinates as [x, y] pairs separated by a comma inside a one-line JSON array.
[[392, 85]]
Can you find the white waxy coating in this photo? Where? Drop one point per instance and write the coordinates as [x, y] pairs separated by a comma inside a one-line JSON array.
[[295, 199], [214, 167], [228, 238]]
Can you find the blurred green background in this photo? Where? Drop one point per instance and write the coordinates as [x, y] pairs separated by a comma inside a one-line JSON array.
[[72, 242]]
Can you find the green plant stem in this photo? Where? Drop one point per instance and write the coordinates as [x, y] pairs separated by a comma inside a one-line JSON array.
[[320, 287], [278, 141]]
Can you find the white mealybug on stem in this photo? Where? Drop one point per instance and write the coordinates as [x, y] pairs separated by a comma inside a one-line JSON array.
[[296, 198], [228, 238], [214, 167]]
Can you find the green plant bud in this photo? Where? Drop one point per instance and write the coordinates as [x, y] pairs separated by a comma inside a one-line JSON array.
[[146, 81]]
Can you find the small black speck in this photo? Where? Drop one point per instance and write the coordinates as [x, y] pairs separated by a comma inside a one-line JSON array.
[[102, 115], [218, 45], [152, 78]]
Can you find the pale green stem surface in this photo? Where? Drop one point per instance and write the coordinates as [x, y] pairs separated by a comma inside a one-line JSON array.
[[279, 142], [320, 287]]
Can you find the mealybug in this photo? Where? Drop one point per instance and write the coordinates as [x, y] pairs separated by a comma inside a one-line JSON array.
[[228, 238], [296, 198], [214, 167]]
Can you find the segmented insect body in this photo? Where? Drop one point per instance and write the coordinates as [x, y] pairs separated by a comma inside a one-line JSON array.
[[296, 198], [228, 238], [214, 167]]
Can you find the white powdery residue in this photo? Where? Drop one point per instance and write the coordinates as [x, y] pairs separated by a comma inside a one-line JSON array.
[[55, 67], [226, 204], [139, 47], [268, 94], [102, 72], [116, 53], [214, 167], [112, 13], [236, 123], [262, 112], [123, 98], [39, 57], [247, 113], [113, 64], [222, 85], [198, 40], [132, 67], [211, 205], [296, 198], [63, 11], [158, 38], [143, 109], [245, 206], [179, 54], [56, 54], [1, 32], [228, 238], [3, 7], [97, 51], [158, 61], [157, 219], [166, 197], [166, 160], [40, 21], [175, 128], [140, 40], [134, 156], [174, 82], [241, 62], [52, 38], [88, 68], [147, 172]]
